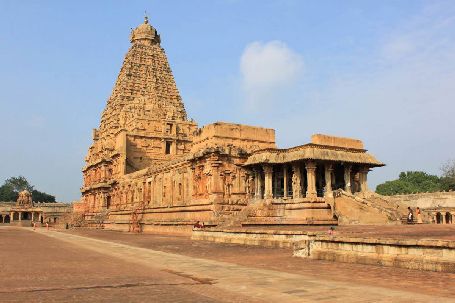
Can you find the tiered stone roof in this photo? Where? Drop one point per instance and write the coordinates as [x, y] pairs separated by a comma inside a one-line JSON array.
[[145, 92], [145, 85]]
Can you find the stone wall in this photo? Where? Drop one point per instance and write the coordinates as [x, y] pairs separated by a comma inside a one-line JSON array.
[[425, 200]]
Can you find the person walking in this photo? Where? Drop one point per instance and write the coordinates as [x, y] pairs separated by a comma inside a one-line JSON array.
[[419, 216], [410, 216]]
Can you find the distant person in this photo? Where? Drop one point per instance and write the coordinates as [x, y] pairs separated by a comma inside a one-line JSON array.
[[198, 225], [410, 216], [419, 216]]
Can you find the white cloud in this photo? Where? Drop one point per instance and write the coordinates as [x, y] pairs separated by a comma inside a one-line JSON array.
[[267, 68]]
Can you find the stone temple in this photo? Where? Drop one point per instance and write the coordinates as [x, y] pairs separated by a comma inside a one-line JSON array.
[[151, 168]]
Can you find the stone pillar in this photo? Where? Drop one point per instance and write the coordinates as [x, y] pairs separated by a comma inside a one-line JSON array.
[[443, 218], [285, 181], [216, 190], [258, 184], [363, 179], [328, 180], [347, 178], [33, 216], [152, 191], [296, 181], [268, 171], [311, 179], [20, 216], [249, 185], [103, 172], [11, 217]]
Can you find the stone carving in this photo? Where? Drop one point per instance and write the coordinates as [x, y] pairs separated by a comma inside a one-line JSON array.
[[24, 198]]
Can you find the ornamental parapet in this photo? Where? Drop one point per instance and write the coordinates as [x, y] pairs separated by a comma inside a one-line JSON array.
[[106, 185]]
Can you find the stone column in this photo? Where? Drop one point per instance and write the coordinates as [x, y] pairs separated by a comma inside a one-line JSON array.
[[268, 171], [311, 179], [33, 216], [216, 190], [296, 181], [103, 172], [20, 216], [152, 191], [443, 218], [285, 181], [363, 179], [328, 180], [347, 178], [258, 184], [11, 218]]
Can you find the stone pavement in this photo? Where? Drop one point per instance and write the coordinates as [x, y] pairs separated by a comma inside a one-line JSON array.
[[254, 283], [51, 266]]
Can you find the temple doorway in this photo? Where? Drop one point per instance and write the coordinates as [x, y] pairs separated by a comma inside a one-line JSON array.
[[26, 216], [438, 218], [108, 199], [448, 218], [1, 219], [6, 219]]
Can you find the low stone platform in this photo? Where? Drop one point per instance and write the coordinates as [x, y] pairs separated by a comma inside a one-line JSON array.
[[426, 254], [422, 247]]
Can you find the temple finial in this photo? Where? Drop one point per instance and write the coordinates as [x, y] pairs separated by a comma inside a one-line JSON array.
[[146, 18]]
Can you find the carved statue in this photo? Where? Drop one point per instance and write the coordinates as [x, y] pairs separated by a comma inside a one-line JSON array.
[[25, 198]]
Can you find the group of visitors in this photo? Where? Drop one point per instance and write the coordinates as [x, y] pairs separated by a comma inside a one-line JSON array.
[[410, 217]]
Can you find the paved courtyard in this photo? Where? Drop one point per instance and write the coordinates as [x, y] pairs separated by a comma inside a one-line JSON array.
[[105, 266]]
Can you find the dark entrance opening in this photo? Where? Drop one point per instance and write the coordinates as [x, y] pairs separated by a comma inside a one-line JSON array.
[[438, 218], [108, 201], [278, 182], [338, 177], [320, 180], [7, 219], [448, 218], [168, 148]]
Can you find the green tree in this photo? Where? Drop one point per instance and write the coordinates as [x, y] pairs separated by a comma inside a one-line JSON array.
[[410, 182], [448, 175], [42, 197], [19, 184], [9, 191]]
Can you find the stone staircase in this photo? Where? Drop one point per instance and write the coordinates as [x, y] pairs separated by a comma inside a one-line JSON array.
[[262, 213], [365, 209]]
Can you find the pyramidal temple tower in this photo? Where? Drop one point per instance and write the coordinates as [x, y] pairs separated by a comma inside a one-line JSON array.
[[144, 123]]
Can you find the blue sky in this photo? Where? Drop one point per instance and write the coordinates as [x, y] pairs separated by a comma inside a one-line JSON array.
[[380, 71]]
